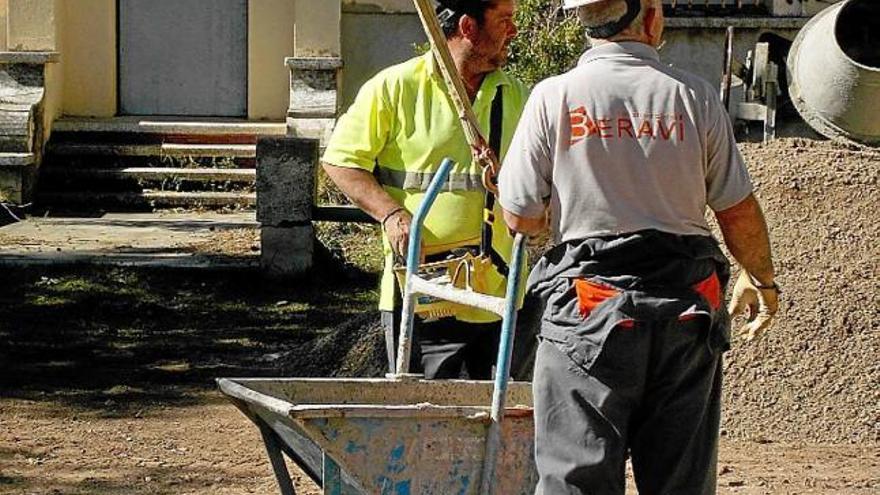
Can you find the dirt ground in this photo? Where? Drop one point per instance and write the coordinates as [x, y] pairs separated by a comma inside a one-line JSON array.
[[106, 374], [208, 447]]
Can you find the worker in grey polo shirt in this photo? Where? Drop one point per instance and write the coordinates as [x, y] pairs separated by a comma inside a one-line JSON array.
[[626, 154]]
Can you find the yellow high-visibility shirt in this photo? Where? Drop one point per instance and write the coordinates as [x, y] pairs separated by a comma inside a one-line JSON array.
[[400, 127]]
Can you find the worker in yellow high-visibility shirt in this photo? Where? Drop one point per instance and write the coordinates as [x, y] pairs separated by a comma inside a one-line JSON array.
[[386, 148]]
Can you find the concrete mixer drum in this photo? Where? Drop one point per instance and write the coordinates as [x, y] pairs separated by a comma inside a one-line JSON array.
[[834, 72]]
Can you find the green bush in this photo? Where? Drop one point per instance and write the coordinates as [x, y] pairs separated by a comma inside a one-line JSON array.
[[550, 41]]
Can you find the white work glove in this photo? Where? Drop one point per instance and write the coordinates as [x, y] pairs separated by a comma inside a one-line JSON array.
[[761, 302]]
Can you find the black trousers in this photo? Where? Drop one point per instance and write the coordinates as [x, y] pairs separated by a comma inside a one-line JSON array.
[[441, 349], [653, 393], [446, 347]]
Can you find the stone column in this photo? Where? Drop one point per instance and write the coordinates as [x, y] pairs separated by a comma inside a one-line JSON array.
[[29, 92], [314, 86], [22, 126], [314, 69], [286, 191]]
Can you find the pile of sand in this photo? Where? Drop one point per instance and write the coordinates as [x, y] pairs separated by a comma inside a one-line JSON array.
[[816, 375]]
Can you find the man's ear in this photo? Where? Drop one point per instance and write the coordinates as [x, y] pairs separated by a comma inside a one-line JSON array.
[[650, 23], [468, 28]]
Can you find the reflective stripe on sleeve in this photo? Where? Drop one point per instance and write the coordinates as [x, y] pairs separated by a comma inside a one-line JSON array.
[[419, 181]]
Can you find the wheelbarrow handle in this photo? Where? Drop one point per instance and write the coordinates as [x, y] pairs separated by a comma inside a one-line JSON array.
[[502, 368], [413, 255]]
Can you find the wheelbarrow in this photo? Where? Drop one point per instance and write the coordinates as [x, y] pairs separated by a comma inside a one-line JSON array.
[[403, 435]]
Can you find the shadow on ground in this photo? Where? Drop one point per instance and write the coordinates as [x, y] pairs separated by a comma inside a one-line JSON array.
[[115, 341]]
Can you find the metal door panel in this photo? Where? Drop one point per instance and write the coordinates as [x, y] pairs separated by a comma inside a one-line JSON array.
[[183, 57]]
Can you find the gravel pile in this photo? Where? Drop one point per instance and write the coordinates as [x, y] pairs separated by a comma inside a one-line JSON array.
[[354, 348], [815, 377]]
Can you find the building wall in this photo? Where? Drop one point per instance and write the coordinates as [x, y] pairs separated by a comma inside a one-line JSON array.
[[89, 58], [373, 41], [701, 51], [3, 6], [317, 28], [379, 33], [372, 34], [379, 6], [32, 25], [270, 40], [375, 34]]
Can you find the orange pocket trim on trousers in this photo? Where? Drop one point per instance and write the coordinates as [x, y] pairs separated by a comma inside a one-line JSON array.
[[590, 295], [710, 289]]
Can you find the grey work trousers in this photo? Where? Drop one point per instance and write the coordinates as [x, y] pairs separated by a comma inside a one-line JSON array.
[[653, 392]]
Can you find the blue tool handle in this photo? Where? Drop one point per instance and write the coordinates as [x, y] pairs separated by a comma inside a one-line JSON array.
[[508, 327], [413, 255], [502, 366]]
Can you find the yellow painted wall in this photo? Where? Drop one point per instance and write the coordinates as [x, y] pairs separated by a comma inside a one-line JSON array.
[[32, 25], [3, 45], [54, 99], [89, 58], [53, 103], [270, 40]]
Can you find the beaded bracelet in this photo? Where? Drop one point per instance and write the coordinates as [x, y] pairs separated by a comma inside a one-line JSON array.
[[773, 286]]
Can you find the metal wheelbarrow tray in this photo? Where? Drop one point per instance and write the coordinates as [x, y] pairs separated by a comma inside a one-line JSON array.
[[389, 436]]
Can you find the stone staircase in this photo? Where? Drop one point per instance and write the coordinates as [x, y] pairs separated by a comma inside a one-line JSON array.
[[140, 164]]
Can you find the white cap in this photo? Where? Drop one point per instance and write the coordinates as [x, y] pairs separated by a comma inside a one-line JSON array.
[[570, 4]]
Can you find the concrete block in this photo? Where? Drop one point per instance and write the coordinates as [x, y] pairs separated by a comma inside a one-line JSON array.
[[286, 184], [287, 252]]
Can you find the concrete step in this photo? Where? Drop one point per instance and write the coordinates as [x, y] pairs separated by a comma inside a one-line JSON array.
[[66, 149], [52, 161], [236, 175], [171, 125], [157, 130], [149, 199], [17, 159]]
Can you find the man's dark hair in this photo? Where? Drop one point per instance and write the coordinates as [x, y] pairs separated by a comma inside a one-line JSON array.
[[450, 11]]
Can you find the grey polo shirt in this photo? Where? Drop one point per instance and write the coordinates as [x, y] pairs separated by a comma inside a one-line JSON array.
[[623, 143]]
